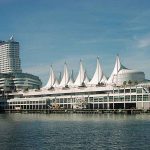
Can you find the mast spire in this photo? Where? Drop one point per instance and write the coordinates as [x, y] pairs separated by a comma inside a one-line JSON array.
[[65, 78], [81, 75], [98, 75], [113, 79]]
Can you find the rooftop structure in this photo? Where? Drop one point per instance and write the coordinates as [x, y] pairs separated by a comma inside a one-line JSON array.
[[119, 76], [98, 76], [82, 78]]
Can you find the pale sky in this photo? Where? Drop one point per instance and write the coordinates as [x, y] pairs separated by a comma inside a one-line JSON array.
[[55, 31]]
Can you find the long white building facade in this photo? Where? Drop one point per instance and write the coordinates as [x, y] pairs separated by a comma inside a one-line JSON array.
[[124, 89]]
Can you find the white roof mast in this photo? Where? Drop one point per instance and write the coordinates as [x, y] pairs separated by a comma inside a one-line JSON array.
[[52, 82], [98, 75], [80, 80], [117, 68], [65, 78]]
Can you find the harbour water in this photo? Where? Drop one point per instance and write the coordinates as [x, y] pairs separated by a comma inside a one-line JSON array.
[[74, 131]]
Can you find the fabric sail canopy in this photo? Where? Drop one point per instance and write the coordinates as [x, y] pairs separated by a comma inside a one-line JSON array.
[[52, 82], [65, 78], [81, 77]]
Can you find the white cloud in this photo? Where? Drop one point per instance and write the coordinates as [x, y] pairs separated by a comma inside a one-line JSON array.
[[143, 43]]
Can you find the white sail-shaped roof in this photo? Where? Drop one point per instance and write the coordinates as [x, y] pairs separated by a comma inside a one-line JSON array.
[[56, 84], [81, 76], [104, 79], [70, 83], [117, 68], [98, 75], [86, 79], [52, 79], [65, 78], [71, 80]]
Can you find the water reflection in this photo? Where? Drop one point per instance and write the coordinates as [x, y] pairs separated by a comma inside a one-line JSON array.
[[74, 131], [72, 117]]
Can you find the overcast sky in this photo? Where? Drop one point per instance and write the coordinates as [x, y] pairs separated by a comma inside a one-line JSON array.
[[55, 31]]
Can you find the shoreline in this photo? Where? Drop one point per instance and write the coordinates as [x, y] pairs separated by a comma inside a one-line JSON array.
[[80, 111]]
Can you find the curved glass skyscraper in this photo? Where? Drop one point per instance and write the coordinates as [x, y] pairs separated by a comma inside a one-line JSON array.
[[11, 75], [9, 56]]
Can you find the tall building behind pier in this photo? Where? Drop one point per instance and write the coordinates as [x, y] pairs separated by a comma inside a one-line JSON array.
[[9, 57], [11, 76]]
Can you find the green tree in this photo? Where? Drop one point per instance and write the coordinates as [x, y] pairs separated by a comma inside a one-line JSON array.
[[135, 82], [124, 83], [26, 89], [130, 82]]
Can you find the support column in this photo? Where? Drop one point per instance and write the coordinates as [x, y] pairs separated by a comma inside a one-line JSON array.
[[124, 100], [93, 103], [113, 98], [98, 102], [103, 103], [108, 101], [142, 100]]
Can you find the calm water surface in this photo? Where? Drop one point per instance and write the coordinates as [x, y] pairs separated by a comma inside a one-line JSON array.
[[74, 131]]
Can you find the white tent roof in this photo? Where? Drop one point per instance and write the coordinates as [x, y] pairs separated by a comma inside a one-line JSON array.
[[70, 83], [52, 82], [71, 80], [81, 78], [65, 78], [98, 75], [56, 84], [104, 79], [86, 80], [117, 68]]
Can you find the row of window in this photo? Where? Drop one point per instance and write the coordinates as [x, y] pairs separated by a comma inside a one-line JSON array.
[[102, 99], [27, 102], [138, 90]]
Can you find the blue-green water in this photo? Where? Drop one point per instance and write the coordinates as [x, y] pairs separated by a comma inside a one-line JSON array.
[[74, 131]]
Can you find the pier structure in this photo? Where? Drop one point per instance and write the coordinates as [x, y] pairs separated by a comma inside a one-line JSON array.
[[112, 98], [125, 89]]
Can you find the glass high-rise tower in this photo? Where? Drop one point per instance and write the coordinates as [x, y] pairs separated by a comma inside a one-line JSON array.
[[9, 56], [11, 75]]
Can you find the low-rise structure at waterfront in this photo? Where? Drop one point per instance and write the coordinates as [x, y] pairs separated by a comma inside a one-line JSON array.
[[18, 81], [124, 89]]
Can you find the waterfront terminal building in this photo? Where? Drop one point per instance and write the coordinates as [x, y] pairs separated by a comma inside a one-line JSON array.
[[124, 89], [11, 76]]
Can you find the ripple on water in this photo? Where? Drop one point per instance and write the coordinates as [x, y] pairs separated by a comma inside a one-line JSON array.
[[74, 131]]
